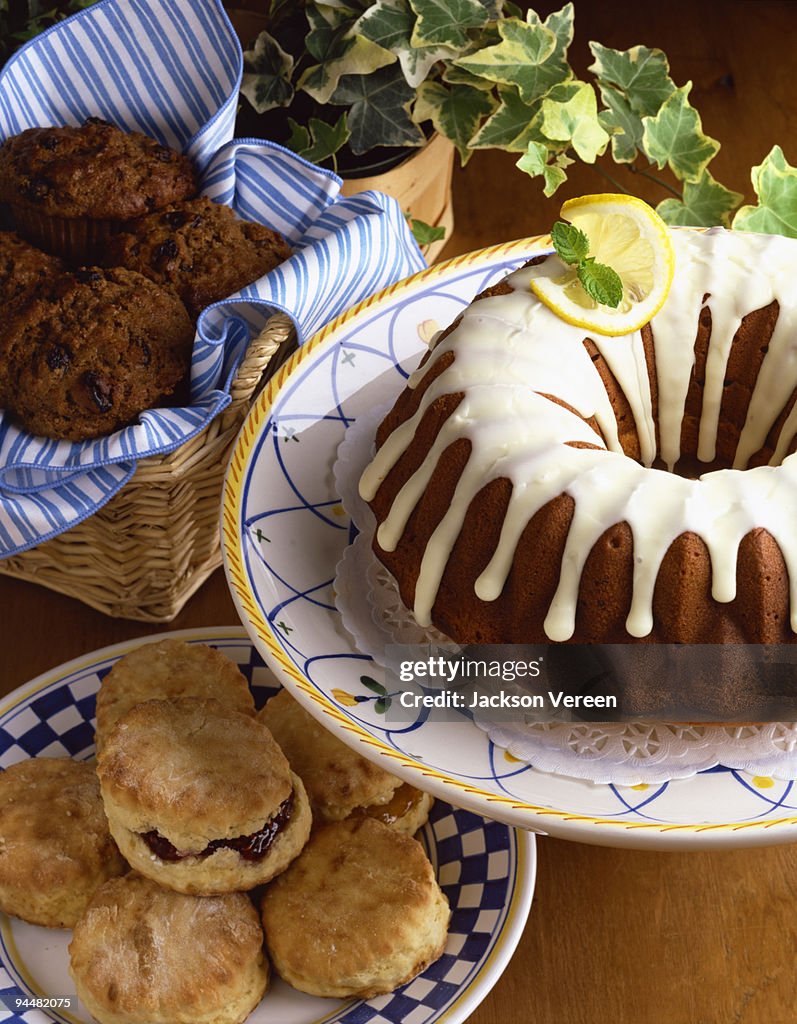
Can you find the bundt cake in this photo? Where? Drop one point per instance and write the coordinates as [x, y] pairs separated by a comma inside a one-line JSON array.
[[532, 484]]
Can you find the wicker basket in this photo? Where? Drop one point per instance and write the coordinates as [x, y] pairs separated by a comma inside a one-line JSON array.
[[156, 542]]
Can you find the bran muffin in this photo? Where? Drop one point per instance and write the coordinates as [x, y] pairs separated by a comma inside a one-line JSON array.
[[165, 669], [358, 913], [69, 188], [200, 798], [24, 270], [91, 352], [145, 955], [200, 249], [55, 847]]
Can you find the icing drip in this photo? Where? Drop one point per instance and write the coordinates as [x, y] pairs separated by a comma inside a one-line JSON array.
[[510, 351]]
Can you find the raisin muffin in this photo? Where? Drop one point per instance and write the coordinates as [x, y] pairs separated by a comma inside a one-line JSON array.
[[200, 798], [200, 249], [144, 955], [55, 847], [24, 270], [69, 188], [91, 352]]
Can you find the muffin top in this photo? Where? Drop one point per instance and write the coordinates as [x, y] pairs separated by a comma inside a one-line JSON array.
[[92, 351], [24, 270], [95, 171], [200, 249]]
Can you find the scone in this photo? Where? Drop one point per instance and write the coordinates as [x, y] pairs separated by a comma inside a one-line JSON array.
[[169, 668], [200, 798], [358, 913], [338, 780], [91, 352], [55, 847], [144, 955], [200, 249], [69, 188]]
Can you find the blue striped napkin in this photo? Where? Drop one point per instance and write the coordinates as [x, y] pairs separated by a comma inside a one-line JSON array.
[[171, 68]]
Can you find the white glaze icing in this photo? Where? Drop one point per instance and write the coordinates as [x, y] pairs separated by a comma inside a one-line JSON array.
[[510, 350]]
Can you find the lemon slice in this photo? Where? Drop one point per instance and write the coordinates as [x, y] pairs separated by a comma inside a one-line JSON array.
[[630, 237]]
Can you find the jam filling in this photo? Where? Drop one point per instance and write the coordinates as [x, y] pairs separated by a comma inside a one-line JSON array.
[[252, 847]]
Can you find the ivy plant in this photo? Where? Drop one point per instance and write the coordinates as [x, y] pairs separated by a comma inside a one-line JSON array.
[[487, 75], [21, 20]]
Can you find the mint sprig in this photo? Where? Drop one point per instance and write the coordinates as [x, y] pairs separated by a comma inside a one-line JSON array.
[[599, 281]]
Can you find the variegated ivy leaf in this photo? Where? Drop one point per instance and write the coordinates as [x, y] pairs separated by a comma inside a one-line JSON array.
[[525, 57], [623, 125], [570, 114], [775, 184], [512, 126], [267, 72], [319, 141], [340, 54], [416, 63], [455, 111], [534, 163], [561, 24], [493, 8], [446, 22], [641, 74], [390, 23], [705, 203], [675, 137], [459, 76], [379, 114]]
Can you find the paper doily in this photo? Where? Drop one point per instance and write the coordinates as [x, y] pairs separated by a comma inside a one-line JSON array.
[[620, 753]]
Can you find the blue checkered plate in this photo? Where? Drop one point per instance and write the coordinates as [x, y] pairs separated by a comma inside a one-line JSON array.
[[486, 869]]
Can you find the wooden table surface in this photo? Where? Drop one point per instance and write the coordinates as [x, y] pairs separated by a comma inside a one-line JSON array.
[[614, 935]]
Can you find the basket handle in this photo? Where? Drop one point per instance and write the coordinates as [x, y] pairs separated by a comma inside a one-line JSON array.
[[257, 361]]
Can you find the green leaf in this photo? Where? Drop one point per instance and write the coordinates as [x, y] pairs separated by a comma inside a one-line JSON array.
[[600, 282], [575, 120], [454, 111], [641, 74], [373, 685], [340, 55], [561, 24], [424, 233], [675, 137], [379, 114], [267, 72], [322, 141], [382, 706], [510, 126], [570, 242], [705, 203], [525, 57], [775, 184], [625, 128], [535, 163], [299, 139], [459, 76], [446, 22], [390, 24]]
